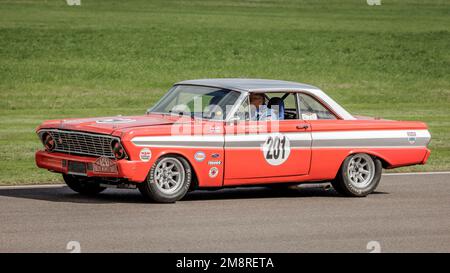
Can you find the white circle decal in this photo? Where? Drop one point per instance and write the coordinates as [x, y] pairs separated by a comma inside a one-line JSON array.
[[213, 172], [145, 154], [200, 156], [276, 149]]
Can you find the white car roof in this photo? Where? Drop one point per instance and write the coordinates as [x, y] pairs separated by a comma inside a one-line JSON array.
[[262, 85], [251, 85]]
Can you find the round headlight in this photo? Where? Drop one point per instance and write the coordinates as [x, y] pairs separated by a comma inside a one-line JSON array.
[[118, 150], [49, 142]]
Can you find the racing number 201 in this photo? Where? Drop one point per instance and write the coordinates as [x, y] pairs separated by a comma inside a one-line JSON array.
[[276, 146], [276, 149]]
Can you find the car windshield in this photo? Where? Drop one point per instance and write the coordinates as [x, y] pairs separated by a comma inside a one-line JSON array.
[[197, 101]]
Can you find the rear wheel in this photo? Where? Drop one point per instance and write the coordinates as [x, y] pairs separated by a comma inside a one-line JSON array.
[[359, 175], [168, 181], [83, 185]]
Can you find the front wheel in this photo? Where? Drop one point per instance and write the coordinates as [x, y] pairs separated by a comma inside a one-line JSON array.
[[359, 175], [168, 181], [83, 185]]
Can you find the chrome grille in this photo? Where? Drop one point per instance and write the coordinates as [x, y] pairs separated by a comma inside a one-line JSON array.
[[73, 142]]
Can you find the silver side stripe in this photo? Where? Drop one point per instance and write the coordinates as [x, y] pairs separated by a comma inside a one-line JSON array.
[[335, 139], [297, 140], [385, 138], [213, 141]]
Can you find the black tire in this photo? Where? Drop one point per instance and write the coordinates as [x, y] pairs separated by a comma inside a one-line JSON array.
[[83, 185], [344, 182], [152, 189]]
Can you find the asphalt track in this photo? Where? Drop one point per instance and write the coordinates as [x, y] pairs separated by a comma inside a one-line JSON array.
[[408, 213]]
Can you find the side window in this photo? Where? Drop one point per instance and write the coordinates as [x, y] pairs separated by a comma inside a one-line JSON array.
[[283, 104], [310, 108]]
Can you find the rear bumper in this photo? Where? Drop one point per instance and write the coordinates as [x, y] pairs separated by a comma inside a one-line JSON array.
[[427, 155], [135, 171]]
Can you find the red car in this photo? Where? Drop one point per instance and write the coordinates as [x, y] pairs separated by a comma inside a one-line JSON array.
[[215, 133]]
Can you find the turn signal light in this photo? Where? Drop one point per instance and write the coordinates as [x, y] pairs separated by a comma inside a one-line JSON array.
[[118, 150], [49, 142]]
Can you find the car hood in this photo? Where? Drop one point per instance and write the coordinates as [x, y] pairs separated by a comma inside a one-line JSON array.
[[368, 118], [107, 125]]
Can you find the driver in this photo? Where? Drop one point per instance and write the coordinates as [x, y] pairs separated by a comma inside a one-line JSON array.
[[258, 108]]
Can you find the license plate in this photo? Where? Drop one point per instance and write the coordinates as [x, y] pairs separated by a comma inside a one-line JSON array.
[[105, 165], [75, 167]]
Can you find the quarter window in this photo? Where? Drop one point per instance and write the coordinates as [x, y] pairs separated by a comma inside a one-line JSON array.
[[311, 109]]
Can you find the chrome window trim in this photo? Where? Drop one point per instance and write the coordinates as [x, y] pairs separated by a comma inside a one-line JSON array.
[[312, 91]]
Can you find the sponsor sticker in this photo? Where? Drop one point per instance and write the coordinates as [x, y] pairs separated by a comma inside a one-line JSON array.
[[104, 165], [199, 156], [215, 129], [309, 116], [276, 149], [215, 155], [411, 137], [216, 162], [213, 172], [145, 154]]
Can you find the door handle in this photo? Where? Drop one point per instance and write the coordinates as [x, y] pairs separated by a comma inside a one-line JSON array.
[[302, 126]]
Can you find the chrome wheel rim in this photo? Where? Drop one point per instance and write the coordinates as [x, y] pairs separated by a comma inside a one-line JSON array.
[[169, 175], [361, 170]]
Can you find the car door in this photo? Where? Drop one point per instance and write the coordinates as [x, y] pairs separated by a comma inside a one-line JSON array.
[[267, 149]]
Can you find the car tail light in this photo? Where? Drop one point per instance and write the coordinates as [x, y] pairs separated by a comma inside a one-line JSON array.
[[49, 142], [118, 150]]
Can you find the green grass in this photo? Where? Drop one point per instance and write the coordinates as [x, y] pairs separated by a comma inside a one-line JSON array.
[[119, 57]]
